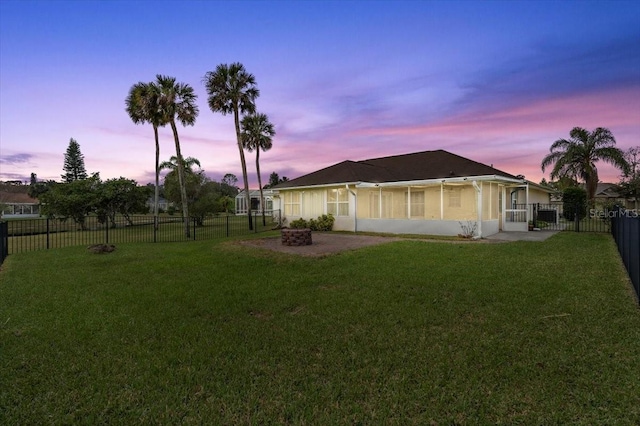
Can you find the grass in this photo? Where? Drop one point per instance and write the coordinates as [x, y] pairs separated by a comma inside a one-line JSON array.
[[408, 332], [32, 234]]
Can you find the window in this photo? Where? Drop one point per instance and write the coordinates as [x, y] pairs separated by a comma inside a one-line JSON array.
[[417, 203], [455, 199], [292, 203], [338, 202], [380, 208]]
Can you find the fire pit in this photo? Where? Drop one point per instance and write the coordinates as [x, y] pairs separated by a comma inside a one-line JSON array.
[[296, 237]]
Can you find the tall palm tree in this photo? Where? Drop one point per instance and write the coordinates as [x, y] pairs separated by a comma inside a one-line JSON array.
[[178, 101], [576, 157], [232, 89], [257, 133], [142, 107]]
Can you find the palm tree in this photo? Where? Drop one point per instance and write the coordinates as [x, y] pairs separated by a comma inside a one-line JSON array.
[[257, 133], [172, 164], [142, 107], [232, 89], [576, 157], [178, 101]]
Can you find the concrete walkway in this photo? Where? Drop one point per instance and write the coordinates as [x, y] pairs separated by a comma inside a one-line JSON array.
[[522, 236]]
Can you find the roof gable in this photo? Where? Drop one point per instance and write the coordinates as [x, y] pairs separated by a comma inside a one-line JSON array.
[[423, 165]]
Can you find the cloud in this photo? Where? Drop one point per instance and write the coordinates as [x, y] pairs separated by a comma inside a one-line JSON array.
[[16, 159], [555, 69]]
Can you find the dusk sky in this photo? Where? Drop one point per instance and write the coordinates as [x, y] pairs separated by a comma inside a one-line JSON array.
[[493, 81]]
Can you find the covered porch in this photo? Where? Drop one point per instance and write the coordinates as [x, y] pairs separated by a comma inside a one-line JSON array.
[[472, 206]]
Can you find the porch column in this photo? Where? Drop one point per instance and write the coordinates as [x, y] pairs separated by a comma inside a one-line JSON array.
[[478, 189], [441, 201], [504, 205], [526, 205]]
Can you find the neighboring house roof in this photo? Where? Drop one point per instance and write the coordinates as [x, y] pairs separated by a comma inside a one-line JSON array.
[[607, 190], [255, 193], [417, 166], [16, 198]]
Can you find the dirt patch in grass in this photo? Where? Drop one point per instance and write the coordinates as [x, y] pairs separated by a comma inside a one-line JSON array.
[[323, 243]]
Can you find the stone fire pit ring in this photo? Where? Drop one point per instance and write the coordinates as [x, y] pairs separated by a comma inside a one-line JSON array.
[[296, 237]]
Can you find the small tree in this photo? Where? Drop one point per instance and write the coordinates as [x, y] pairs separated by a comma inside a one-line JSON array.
[[231, 180], [73, 163], [274, 179], [37, 188], [120, 196], [574, 202], [225, 203], [629, 186], [73, 200]]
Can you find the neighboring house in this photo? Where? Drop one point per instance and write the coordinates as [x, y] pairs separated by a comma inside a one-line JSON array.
[[430, 192], [254, 194], [18, 204], [607, 193], [163, 204]]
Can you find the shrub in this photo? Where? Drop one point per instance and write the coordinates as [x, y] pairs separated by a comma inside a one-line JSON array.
[[574, 202], [322, 223], [298, 224]]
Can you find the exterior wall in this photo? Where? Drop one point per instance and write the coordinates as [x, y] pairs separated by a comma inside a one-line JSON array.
[[410, 226], [460, 202], [430, 210], [490, 227], [538, 196], [535, 196]]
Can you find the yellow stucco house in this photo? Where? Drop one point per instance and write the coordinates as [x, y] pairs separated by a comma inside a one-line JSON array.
[[429, 192]]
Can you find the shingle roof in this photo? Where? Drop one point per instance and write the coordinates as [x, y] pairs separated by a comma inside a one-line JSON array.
[[607, 190], [423, 165], [16, 198]]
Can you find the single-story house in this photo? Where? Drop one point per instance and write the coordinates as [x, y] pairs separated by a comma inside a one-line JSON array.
[[429, 192], [163, 204], [608, 193], [18, 204], [254, 194]]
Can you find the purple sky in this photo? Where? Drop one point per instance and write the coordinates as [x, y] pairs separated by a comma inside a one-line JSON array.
[[493, 81]]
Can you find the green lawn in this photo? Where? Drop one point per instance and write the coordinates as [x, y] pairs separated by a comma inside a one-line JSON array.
[[40, 234], [409, 332]]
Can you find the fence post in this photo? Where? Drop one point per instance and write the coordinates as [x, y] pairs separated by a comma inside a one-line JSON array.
[[4, 241], [194, 229], [577, 218], [227, 224], [47, 233], [155, 229], [106, 231]]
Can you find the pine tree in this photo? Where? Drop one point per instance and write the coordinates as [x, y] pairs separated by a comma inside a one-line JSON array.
[[73, 163]]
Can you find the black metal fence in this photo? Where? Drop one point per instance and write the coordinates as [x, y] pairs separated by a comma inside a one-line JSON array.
[[4, 241], [22, 235], [559, 217], [626, 233]]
